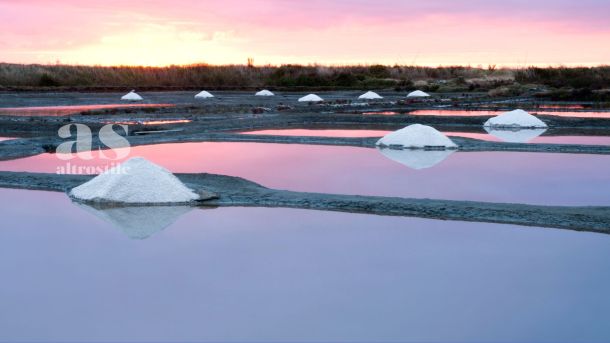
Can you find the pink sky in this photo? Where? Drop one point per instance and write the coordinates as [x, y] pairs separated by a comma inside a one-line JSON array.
[[425, 32]]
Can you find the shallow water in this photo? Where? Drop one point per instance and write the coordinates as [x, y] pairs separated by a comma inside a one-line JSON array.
[[68, 110], [320, 132], [473, 113], [261, 274], [586, 140], [533, 178]]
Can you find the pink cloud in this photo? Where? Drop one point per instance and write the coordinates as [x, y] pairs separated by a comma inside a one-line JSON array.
[[331, 31]]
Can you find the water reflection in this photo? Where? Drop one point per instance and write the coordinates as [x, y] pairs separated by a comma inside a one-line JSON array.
[[515, 135], [416, 159], [68, 110], [320, 132], [515, 177], [286, 275], [137, 222], [475, 113], [357, 132]]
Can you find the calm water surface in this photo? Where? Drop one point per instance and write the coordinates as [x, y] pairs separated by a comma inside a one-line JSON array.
[[587, 140], [534, 178], [261, 274], [575, 114]]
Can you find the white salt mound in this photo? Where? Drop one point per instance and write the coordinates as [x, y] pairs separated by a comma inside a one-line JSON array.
[[370, 96], [417, 159], [204, 95], [132, 96], [138, 222], [310, 98], [515, 135], [516, 118], [264, 92], [417, 94], [136, 181], [417, 136]]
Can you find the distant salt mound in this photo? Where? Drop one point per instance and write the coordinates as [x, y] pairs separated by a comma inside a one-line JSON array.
[[417, 159], [132, 96], [515, 119], [264, 92], [136, 181], [370, 95], [417, 94], [204, 95], [138, 222], [515, 135], [310, 98], [417, 136]]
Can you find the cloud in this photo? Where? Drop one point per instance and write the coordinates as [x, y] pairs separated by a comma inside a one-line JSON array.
[[276, 31]]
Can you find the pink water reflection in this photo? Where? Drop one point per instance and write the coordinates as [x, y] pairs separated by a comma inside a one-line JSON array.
[[586, 140], [320, 133], [557, 179], [472, 113], [67, 110]]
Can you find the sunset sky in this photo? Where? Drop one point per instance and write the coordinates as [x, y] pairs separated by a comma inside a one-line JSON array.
[[425, 32]]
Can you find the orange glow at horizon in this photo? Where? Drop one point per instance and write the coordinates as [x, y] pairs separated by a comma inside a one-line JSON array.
[[110, 33]]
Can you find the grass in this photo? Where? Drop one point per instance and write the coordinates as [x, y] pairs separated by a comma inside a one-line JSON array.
[[302, 77]]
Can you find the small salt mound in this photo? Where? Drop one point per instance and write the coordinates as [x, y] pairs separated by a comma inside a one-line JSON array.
[[204, 95], [136, 181], [516, 118], [515, 135], [417, 136], [417, 94], [310, 98], [132, 96], [138, 222], [264, 92], [417, 159], [370, 96]]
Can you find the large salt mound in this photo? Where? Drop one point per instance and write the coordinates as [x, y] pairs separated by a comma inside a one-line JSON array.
[[138, 222], [264, 92], [515, 135], [370, 96], [516, 118], [132, 96], [417, 159], [310, 98], [417, 136], [417, 94], [136, 181], [204, 95]]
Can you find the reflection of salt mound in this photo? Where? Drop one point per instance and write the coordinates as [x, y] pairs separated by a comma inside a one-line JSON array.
[[417, 136], [132, 96], [136, 181], [515, 135], [370, 96], [138, 222], [310, 98], [264, 92], [516, 118], [417, 94], [416, 159], [204, 95]]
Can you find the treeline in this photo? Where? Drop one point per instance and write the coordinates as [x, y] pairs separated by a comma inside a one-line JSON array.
[[286, 77]]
